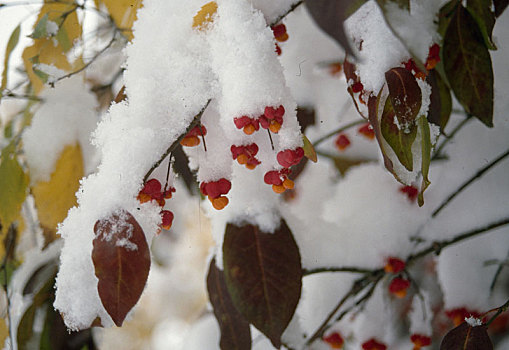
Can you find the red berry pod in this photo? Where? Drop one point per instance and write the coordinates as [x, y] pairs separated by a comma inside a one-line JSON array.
[[342, 142], [273, 178], [272, 113], [420, 340], [152, 187], [279, 30], [167, 219], [278, 50], [242, 121], [215, 189], [394, 265], [288, 158], [335, 340], [410, 191], [399, 287], [367, 131], [357, 87], [373, 344]]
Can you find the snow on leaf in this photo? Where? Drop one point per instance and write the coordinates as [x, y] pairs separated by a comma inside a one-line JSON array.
[[466, 337], [123, 13], [55, 197], [121, 259], [405, 95], [467, 64], [235, 331], [263, 274], [329, 16]]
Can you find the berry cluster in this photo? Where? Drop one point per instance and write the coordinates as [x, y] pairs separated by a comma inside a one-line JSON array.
[[335, 340], [279, 180], [152, 190], [290, 157], [420, 341], [280, 34], [245, 155], [215, 190], [431, 62], [272, 119], [192, 138], [249, 125], [373, 344]]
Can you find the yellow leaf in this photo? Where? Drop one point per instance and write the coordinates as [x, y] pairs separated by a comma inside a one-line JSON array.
[[309, 150], [123, 13], [52, 50], [54, 198], [204, 16]]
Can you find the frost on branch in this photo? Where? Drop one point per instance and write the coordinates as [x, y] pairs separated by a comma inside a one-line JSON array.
[[234, 73]]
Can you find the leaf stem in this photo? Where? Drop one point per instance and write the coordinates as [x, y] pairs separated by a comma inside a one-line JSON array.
[[500, 310], [475, 177], [292, 8]]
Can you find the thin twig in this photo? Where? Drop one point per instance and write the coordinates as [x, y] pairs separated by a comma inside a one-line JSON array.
[[292, 8], [307, 272], [475, 177], [498, 272], [337, 131], [270, 138], [174, 145], [500, 310]]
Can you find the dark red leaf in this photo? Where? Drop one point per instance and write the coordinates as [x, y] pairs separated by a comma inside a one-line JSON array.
[[485, 18], [263, 274], [235, 331], [467, 64], [329, 16], [440, 100], [122, 261], [466, 337], [405, 95]]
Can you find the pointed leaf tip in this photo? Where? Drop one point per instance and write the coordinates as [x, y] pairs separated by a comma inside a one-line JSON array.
[[121, 259]]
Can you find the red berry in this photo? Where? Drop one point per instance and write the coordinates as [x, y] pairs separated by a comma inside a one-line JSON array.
[[214, 189], [420, 340], [152, 187], [279, 30], [394, 265], [399, 287], [373, 344], [278, 50], [289, 157], [367, 131], [335, 340], [410, 191], [357, 87], [458, 315], [167, 219], [273, 178], [342, 142]]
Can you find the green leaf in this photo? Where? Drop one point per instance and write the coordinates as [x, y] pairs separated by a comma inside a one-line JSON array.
[[63, 39], [11, 45], [13, 186], [426, 157], [440, 100], [399, 139], [263, 274], [235, 331], [466, 337], [373, 107], [41, 28], [121, 260], [485, 18], [41, 75], [405, 95], [309, 150], [467, 64]]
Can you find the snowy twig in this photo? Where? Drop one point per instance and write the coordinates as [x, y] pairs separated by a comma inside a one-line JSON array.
[[294, 6], [373, 277], [475, 177], [337, 131], [175, 144]]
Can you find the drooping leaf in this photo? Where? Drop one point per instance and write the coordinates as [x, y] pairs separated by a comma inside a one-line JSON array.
[[121, 259], [205, 15], [263, 274], [309, 150], [373, 107], [466, 337], [11, 45], [41, 28], [467, 64], [123, 13], [235, 331], [405, 95], [500, 6], [440, 107], [13, 188], [426, 157], [485, 18], [54, 198], [329, 15], [344, 164], [400, 138]]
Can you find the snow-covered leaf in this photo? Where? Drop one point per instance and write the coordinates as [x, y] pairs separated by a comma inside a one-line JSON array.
[[235, 331], [467, 64], [467, 337], [405, 95], [123, 13], [122, 262], [426, 156], [263, 273]]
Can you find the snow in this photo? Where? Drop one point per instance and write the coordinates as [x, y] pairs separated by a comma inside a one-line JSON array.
[[473, 322]]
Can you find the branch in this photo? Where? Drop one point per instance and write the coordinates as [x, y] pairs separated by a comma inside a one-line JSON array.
[[475, 177], [500, 310], [294, 6], [174, 145], [307, 272]]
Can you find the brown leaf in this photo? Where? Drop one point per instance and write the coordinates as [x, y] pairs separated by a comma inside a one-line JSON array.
[[235, 331], [263, 274], [466, 337], [467, 64], [500, 6], [329, 16], [405, 95], [122, 262]]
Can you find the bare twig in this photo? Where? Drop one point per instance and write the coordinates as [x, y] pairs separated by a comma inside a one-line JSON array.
[[474, 178], [174, 145], [307, 272], [290, 10], [500, 310]]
